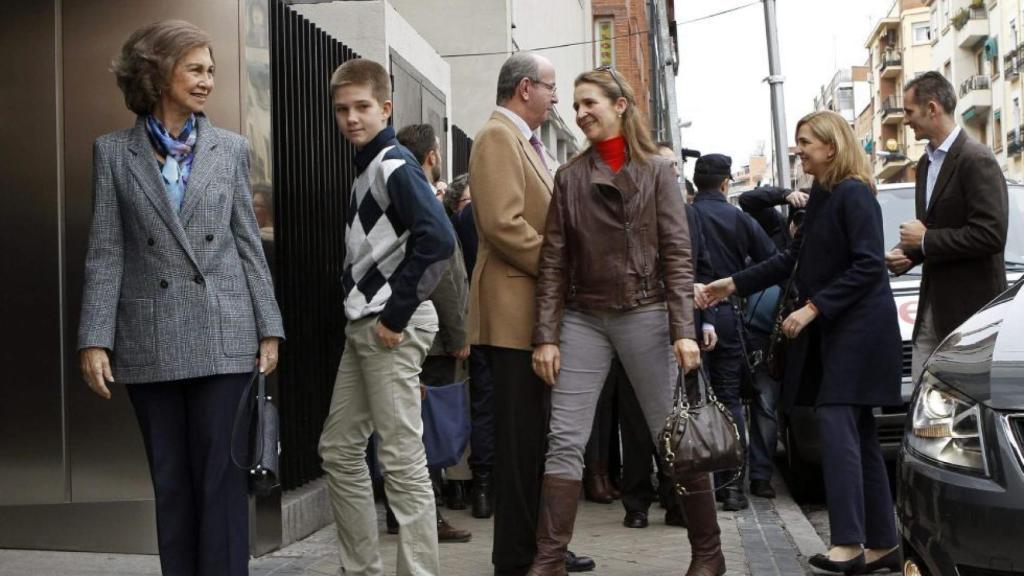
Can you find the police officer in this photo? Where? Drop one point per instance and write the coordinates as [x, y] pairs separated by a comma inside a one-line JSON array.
[[734, 241]]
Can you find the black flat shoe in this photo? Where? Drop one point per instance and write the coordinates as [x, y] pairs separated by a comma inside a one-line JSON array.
[[635, 520], [893, 562], [823, 562], [574, 563]]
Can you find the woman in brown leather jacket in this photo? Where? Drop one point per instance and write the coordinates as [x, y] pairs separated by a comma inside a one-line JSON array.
[[615, 279]]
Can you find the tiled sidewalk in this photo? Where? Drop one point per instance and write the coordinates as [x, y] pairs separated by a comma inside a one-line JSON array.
[[770, 539]]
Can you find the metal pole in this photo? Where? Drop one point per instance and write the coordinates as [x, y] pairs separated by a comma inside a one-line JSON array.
[[775, 80]]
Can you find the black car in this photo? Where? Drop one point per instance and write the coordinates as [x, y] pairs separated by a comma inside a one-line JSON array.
[[961, 465]]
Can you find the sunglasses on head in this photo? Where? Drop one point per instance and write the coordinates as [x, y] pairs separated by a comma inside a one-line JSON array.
[[615, 77]]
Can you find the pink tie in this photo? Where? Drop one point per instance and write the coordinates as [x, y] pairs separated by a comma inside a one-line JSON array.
[[535, 142]]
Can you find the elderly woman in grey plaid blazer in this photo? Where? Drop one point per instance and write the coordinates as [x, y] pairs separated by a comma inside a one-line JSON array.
[[178, 301]]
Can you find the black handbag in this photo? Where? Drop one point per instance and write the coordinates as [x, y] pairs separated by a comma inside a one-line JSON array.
[[256, 431], [775, 352], [700, 435]]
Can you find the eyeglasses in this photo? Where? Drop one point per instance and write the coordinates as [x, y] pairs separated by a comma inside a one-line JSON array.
[[552, 87], [611, 72]]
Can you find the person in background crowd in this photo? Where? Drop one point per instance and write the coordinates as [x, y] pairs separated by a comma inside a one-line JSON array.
[[450, 299], [733, 240], [615, 279], [845, 354], [759, 317], [172, 229], [511, 190], [458, 201]]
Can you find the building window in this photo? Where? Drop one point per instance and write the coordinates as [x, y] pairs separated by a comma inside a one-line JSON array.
[[997, 131], [947, 70], [922, 33], [604, 48], [945, 14], [934, 22]]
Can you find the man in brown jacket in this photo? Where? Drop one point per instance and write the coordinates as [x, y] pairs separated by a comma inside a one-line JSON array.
[[960, 232], [511, 187]]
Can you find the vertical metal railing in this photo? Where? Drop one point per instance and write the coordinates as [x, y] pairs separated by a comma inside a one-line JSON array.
[[313, 171], [461, 147]]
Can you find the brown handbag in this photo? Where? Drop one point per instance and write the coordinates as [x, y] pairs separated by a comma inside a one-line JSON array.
[[699, 436]]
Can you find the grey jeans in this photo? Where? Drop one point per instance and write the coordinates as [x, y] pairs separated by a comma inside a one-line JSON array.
[[640, 338]]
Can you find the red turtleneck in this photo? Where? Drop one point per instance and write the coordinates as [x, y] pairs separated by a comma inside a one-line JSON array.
[[613, 152]]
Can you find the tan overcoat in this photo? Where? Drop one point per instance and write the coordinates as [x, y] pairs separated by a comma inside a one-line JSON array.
[[511, 190]]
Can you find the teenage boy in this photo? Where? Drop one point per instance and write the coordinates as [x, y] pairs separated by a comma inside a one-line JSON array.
[[397, 244]]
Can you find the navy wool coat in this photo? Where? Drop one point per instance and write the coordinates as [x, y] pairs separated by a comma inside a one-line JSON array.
[[851, 353]]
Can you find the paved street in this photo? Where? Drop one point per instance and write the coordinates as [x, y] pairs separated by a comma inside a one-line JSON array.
[[771, 539]]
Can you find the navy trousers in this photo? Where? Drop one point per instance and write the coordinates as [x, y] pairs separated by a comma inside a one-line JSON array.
[[724, 369], [202, 502], [856, 484], [481, 410]]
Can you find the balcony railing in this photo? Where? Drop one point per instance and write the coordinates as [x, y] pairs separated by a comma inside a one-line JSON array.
[[891, 105], [960, 19], [1011, 64], [1013, 142], [975, 83], [898, 155], [888, 60]]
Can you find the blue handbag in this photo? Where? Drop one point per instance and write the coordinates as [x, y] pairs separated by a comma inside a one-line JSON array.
[[445, 424]]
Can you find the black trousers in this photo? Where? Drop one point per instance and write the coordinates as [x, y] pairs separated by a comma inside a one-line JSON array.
[[202, 502], [481, 410], [856, 483], [521, 411]]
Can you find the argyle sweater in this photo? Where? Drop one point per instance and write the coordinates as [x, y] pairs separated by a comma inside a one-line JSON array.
[[397, 236]]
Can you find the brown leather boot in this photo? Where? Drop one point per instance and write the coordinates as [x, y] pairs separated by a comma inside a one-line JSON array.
[[559, 498], [596, 485], [706, 558]]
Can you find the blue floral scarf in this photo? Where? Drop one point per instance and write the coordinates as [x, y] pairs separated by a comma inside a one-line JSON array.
[[178, 155]]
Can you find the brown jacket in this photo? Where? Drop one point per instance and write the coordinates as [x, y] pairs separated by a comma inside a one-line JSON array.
[[963, 247], [615, 242], [511, 190]]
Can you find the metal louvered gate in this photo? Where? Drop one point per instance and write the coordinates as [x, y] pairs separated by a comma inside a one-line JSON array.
[[313, 171], [461, 147]]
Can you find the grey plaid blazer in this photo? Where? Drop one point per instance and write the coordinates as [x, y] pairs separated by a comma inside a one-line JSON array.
[[175, 296]]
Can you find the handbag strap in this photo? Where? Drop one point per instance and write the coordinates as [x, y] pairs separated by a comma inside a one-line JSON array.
[[250, 407]]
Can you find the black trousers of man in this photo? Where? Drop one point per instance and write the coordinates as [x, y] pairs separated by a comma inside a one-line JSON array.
[[639, 456], [521, 410], [202, 501]]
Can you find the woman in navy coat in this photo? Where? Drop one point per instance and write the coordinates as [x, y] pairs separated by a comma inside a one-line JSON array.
[[845, 353]]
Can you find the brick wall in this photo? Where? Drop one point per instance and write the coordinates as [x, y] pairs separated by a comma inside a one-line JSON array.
[[632, 53]]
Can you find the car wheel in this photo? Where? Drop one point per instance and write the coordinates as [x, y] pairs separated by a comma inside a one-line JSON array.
[[805, 481]]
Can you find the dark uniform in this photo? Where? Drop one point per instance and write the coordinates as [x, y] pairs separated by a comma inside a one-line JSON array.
[[733, 239]]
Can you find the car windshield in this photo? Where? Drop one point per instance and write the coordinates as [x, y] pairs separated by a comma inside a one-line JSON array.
[[898, 206]]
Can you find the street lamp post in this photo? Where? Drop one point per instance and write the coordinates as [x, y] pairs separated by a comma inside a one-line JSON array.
[[775, 80]]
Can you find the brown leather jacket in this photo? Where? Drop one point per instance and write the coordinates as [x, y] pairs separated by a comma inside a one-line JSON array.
[[614, 242]]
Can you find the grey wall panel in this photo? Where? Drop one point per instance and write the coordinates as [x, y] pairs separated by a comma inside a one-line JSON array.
[[105, 448], [31, 454], [119, 527]]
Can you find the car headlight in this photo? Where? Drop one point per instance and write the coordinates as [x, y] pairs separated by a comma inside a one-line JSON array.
[[946, 427]]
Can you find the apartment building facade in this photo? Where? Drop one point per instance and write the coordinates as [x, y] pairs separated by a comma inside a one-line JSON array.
[[899, 48]]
